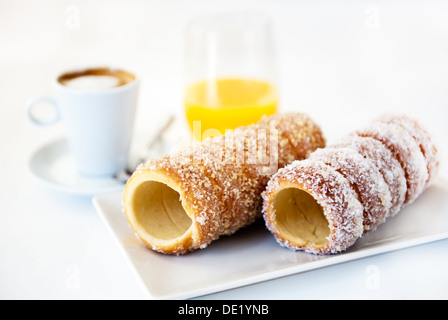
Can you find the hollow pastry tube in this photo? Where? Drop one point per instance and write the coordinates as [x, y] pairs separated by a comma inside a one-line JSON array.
[[325, 203], [184, 201]]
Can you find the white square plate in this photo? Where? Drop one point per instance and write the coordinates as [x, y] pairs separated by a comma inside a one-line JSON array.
[[252, 255]]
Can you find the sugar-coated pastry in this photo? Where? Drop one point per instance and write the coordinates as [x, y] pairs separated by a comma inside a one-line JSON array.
[[184, 201], [389, 167], [406, 150], [325, 203], [310, 206], [364, 177], [421, 136]]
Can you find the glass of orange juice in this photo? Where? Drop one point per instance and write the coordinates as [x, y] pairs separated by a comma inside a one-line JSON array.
[[229, 72]]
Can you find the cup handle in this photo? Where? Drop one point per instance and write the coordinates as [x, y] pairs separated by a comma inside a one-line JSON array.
[[33, 119]]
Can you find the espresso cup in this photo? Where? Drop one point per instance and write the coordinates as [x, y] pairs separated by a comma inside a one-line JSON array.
[[97, 107]]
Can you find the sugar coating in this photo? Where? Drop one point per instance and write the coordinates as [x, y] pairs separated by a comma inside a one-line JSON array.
[[222, 178], [332, 191], [383, 159], [197, 192], [295, 130], [406, 151], [421, 136], [365, 179], [372, 172]]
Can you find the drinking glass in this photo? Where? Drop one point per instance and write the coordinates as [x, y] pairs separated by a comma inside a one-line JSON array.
[[230, 72]]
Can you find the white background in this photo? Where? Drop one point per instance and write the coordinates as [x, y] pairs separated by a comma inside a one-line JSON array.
[[343, 62]]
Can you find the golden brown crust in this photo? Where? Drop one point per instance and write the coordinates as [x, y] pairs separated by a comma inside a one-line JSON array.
[[219, 182], [196, 192]]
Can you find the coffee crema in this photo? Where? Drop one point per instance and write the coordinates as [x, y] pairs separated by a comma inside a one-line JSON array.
[[96, 79]]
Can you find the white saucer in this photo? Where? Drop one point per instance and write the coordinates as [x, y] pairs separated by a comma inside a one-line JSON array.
[[53, 165]]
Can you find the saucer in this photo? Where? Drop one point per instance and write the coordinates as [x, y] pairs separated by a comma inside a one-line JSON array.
[[53, 165]]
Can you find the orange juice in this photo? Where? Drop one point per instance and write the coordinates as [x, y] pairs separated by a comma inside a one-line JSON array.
[[226, 104]]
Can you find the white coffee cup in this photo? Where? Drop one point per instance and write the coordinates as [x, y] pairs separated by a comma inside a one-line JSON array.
[[98, 113]]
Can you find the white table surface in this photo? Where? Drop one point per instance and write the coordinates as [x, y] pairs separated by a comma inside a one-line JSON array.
[[342, 63]]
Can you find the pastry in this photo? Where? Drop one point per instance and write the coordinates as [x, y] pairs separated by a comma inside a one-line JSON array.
[[325, 203], [421, 136], [406, 150], [388, 166], [184, 201], [312, 207], [364, 177]]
